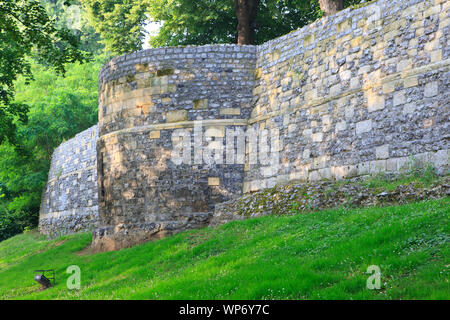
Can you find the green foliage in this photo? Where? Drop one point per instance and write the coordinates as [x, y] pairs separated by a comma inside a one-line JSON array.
[[59, 109], [185, 22], [419, 175], [204, 22], [26, 30], [120, 22], [73, 15], [322, 255]]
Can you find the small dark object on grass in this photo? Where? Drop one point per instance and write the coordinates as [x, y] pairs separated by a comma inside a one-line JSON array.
[[43, 280]]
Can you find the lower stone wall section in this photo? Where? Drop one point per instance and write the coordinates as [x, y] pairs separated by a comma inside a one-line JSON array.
[[145, 195]]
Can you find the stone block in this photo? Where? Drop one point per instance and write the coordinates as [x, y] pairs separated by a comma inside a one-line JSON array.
[[375, 102], [410, 82], [382, 152], [215, 131], [200, 104], [176, 116], [213, 181], [363, 126], [431, 89], [230, 111], [155, 134], [341, 126], [317, 137], [344, 25], [399, 98]]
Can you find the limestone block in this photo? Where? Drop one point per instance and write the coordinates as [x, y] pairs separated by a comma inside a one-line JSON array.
[[213, 181], [389, 87], [399, 98], [215, 131], [377, 166], [382, 152], [363, 126], [404, 65], [155, 134], [341, 126], [317, 137], [428, 122], [436, 56], [176, 116], [200, 104], [349, 111], [141, 67], [431, 89], [325, 173], [410, 82], [346, 75], [346, 24], [391, 165], [375, 102], [440, 158], [230, 111]]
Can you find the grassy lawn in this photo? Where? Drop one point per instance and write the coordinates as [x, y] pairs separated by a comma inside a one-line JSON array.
[[320, 255]]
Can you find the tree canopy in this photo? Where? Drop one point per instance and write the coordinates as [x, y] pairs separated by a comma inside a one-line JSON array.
[[120, 22], [215, 21], [185, 22]]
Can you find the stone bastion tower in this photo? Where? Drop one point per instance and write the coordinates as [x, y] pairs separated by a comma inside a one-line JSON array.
[[144, 98]]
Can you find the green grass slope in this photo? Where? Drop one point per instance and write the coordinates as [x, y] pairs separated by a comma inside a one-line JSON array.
[[320, 255]]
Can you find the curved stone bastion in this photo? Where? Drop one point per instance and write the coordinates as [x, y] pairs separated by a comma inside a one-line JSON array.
[[357, 93], [145, 100]]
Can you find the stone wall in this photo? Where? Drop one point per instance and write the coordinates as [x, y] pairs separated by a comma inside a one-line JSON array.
[[356, 93], [69, 200], [145, 98], [352, 94]]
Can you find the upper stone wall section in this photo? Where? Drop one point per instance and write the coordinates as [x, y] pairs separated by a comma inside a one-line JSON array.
[[167, 85], [356, 93]]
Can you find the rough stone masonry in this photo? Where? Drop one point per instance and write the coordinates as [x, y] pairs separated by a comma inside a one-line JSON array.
[[353, 94]]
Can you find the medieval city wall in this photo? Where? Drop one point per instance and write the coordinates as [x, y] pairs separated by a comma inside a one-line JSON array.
[[357, 93], [144, 98]]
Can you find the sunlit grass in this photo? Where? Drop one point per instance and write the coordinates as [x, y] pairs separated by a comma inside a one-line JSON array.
[[320, 255]]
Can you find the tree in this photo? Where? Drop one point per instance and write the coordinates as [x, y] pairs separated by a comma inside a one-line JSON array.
[[187, 22], [72, 14], [26, 30], [59, 108], [330, 7], [120, 23], [246, 11]]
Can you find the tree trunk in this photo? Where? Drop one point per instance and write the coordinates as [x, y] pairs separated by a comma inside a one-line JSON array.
[[246, 14], [330, 7]]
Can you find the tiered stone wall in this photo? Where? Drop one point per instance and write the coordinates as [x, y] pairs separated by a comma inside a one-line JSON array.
[[356, 93], [144, 98], [69, 201]]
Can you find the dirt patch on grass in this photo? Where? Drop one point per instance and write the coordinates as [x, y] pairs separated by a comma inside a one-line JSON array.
[[86, 251]]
